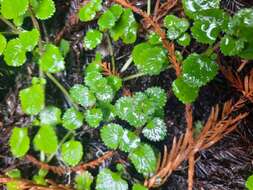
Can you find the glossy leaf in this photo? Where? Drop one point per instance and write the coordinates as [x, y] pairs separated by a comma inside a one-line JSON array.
[[109, 111], [14, 54], [82, 95], [50, 115], [137, 186], [105, 92], [129, 141], [88, 12], [230, 46], [72, 152], [184, 92], [29, 39], [115, 82], [72, 119], [44, 9], [155, 130], [247, 52], [249, 183], [144, 160], [46, 140], [192, 7], [13, 8], [125, 28], [106, 20], [111, 135], [184, 40], [116, 10], [150, 59], [3, 43], [95, 65], [106, 178], [83, 181], [154, 39], [157, 96], [52, 60], [19, 142], [32, 99], [175, 26], [92, 39], [93, 117], [198, 70]]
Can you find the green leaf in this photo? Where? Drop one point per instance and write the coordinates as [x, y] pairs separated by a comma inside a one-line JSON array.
[[3, 43], [150, 59], [144, 159], [249, 183], [176, 26], [247, 52], [32, 99], [93, 117], [184, 92], [13, 8], [115, 82], [125, 28], [106, 20], [83, 181], [92, 39], [45, 9], [72, 152], [95, 65], [109, 111], [129, 141], [64, 47], [105, 92], [29, 39], [52, 61], [231, 46], [154, 39], [192, 7], [14, 173], [198, 70], [92, 79], [157, 96], [184, 40], [111, 135], [14, 54], [106, 178], [82, 95], [88, 12], [19, 142], [116, 10], [72, 119], [50, 115], [208, 25], [155, 130], [46, 140], [137, 186]]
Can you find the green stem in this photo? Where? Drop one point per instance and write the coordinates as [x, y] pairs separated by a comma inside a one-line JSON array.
[[148, 7], [64, 91], [12, 26], [133, 76], [127, 64], [111, 52]]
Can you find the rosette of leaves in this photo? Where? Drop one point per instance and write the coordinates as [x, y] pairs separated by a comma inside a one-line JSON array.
[[238, 40], [150, 59], [176, 29], [197, 71]]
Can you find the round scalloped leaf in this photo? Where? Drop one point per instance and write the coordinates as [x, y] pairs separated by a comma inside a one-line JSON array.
[[192, 7], [88, 12], [93, 117], [13, 8], [104, 92], [72, 152], [93, 78], [116, 10], [29, 39], [184, 40], [115, 82], [155, 130], [83, 181], [3, 43], [72, 119], [45, 9], [92, 39], [125, 28], [157, 95], [175, 26], [208, 24], [106, 20], [184, 92], [143, 159], [106, 178], [46, 140], [154, 39], [82, 95], [19, 142], [137, 186], [129, 141], [52, 60], [230, 46], [150, 59], [111, 135], [198, 70], [14, 54], [50, 115], [95, 65], [32, 99]]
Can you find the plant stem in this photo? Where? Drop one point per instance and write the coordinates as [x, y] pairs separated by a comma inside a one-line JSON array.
[[133, 76], [64, 91], [127, 64], [111, 52], [12, 26], [148, 7]]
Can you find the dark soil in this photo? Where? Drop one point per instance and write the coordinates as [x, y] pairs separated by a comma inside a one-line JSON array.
[[225, 166]]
